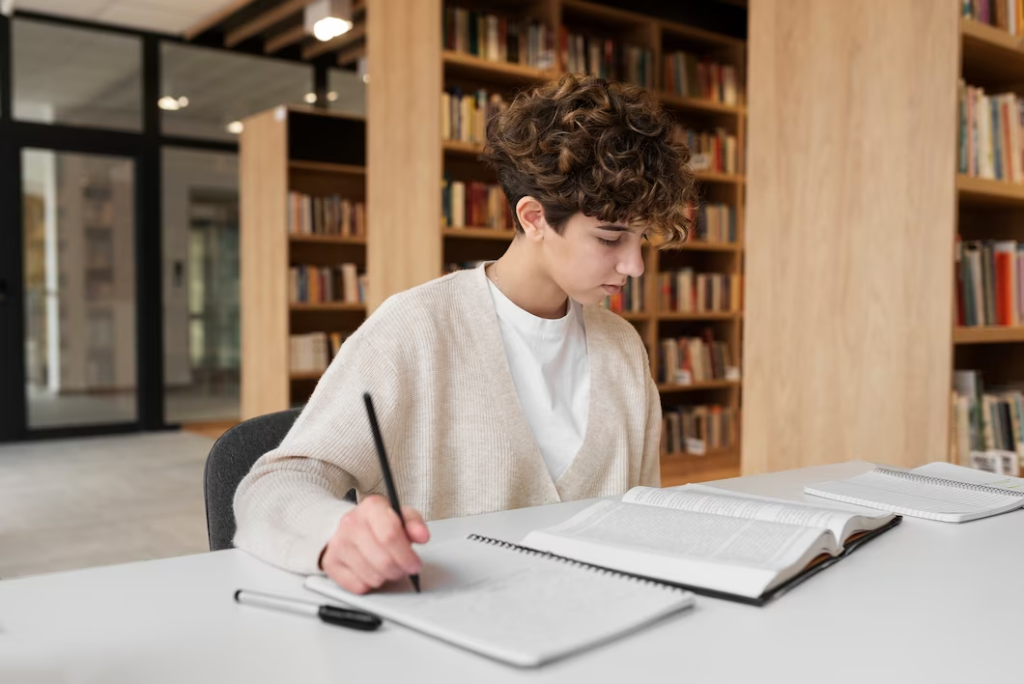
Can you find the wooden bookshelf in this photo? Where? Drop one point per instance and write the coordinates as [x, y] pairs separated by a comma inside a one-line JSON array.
[[988, 334], [291, 149], [459, 161]]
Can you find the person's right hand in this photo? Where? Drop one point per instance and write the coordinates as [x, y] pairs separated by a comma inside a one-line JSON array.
[[370, 547]]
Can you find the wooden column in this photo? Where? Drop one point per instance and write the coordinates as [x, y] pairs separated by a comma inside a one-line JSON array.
[[404, 152], [851, 209]]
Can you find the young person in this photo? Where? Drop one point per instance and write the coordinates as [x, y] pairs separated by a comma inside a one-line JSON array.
[[499, 387]]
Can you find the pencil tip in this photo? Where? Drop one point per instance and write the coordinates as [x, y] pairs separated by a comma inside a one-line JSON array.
[[415, 582]]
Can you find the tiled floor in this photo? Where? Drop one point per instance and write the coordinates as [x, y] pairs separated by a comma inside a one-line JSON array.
[[78, 503]]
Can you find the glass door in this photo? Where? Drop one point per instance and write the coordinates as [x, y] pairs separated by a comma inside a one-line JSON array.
[[79, 307]]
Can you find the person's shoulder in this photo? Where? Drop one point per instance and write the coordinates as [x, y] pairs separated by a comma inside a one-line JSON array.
[[613, 329], [433, 304]]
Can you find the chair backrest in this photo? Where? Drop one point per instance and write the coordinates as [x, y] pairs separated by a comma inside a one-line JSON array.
[[229, 461]]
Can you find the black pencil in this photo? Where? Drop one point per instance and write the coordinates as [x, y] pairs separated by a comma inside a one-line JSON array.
[[389, 483]]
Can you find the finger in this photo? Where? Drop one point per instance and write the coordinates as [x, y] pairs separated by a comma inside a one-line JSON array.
[[346, 579], [351, 554], [414, 525], [388, 530], [376, 554]]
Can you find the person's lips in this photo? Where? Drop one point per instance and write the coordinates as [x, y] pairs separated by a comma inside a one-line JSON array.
[[612, 289]]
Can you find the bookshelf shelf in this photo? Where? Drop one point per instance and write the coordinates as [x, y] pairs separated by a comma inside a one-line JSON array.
[[990, 55], [307, 375], [987, 334], [694, 104], [323, 167], [699, 246], [328, 306], [701, 316], [459, 147], [698, 386], [463, 64], [326, 239], [713, 177], [681, 468], [478, 233], [991, 192]]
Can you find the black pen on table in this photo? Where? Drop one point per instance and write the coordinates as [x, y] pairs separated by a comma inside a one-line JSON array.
[[389, 483]]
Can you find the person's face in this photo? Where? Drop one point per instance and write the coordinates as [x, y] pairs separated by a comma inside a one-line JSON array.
[[591, 259]]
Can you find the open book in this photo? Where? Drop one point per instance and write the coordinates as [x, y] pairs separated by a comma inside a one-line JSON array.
[[711, 541], [937, 491], [514, 604]]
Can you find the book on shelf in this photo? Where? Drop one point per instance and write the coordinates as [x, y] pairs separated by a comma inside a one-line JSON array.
[[938, 491], [714, 542], [990, 135], [630, 299], [710, 151], [688, 75], [606, 58], [313, 352], [464, 116], [688, 360], [987, 427], [326, 284], [329, 215], [688, 291], [476, 204], [715, 223], [990, 282], [1002, 14], [498, 38], [698, 429]]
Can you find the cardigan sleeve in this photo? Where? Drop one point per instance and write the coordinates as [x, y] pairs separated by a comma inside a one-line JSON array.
[[650, 470], [289, 504]]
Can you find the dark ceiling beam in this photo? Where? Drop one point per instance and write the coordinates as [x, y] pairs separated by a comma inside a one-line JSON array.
[[280, 41], [264, 21]]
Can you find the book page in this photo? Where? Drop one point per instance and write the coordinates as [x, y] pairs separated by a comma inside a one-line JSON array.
[[970, 475], [701, 499], [513, 605], [711, 551]]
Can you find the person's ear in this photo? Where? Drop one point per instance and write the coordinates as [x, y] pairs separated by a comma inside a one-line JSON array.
[[531, 218]]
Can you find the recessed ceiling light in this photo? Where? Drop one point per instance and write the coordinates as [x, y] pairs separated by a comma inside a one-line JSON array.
[[170, 104], [310, 98], [332, 96], [183, 101], [235, 127]]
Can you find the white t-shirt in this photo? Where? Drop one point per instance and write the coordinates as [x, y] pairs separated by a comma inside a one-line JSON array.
[[551, 373]]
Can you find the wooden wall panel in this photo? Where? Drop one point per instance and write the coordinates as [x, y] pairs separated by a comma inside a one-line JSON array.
[[850, 222], [404, 151]]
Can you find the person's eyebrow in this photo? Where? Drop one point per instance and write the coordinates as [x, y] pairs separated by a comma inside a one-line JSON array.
[[615, 227]]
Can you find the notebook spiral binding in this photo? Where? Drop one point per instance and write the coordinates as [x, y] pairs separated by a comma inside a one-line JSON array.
[[928, 479], [570, 561]]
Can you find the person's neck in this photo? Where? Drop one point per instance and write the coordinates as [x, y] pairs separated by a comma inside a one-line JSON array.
[[518, 277]]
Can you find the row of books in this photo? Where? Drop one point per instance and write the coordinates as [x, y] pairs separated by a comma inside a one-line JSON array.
[[987, 425], [991, 140], [464, 116], [498, 38], [1005, 14], [714, 151], [312, 352], [715, 223], [691, 76], [325, 284], [607, 59], [698, 430], [330, 215], [689, 360], [688, 291], [990, 282], [629, 300], [475, 204]]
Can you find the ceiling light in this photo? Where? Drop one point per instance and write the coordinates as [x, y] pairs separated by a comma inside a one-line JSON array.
[[170, 104], [332, 96], [310, 98], [183, 102], [327, 19], [366, 78], [236, 127]]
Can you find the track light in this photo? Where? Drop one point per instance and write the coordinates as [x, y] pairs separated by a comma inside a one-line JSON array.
[[327, 19]]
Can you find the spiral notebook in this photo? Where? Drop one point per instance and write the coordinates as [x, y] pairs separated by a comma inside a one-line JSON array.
[[515, 604], [954, 497]]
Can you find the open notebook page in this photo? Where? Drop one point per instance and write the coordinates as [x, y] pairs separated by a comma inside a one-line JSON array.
[[512, 605], [702, 499], [971, 475], [731, 555], [901, 493]]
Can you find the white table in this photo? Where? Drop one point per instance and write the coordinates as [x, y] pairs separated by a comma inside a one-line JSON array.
[[926, 602]]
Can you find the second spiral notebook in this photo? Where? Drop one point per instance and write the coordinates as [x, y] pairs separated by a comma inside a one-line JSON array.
[[515, 604]]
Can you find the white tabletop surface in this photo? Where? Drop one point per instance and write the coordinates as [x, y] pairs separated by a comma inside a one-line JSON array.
[[926, 602]]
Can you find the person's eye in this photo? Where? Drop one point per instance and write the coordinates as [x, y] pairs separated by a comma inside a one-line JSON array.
[[608, 243]]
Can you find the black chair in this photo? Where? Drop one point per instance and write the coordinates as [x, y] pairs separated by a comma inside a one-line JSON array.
[[229, 461]]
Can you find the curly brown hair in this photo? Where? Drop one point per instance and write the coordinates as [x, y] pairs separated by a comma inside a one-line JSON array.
[[604, 149]]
